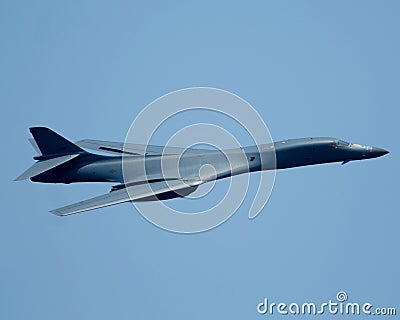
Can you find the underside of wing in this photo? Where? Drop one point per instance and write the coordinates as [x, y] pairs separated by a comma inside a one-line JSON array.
[[144, 192], [132, 148]]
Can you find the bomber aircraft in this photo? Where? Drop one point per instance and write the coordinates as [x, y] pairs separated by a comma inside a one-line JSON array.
[[161, 173]]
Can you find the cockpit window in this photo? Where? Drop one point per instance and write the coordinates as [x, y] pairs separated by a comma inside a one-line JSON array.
[[339, 144], [342, 144]]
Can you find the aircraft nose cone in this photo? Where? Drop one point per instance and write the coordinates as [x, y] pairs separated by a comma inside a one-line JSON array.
[[378, 152]]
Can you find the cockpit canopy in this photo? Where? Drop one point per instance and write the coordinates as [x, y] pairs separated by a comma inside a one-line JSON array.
[[340, 144]]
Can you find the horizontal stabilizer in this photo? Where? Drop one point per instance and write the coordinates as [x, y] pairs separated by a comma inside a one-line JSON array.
[[42, 166], [136, 193], [34, 145]]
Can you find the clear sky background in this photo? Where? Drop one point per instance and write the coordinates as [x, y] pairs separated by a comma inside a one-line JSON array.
[[310, 68]]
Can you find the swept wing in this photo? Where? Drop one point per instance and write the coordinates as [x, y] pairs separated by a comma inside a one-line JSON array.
[[132, 148], [142, 192]]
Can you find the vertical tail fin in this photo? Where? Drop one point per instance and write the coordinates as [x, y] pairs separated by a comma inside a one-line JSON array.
[[55, 150], [51, 143]]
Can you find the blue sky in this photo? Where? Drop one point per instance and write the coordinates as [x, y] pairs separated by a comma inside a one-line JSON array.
[[310, 68]]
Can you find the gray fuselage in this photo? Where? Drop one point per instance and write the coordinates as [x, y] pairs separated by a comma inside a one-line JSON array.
[[88, 167]]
